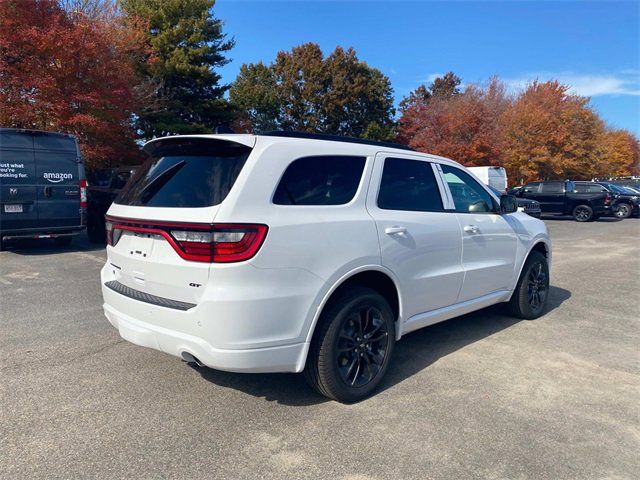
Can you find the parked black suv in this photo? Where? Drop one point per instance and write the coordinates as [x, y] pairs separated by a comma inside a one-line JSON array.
[[42, 186], [624, 204], [561, 198], [104, 187]]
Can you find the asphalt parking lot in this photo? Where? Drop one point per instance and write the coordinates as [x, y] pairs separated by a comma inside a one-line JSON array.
[[481, 396]]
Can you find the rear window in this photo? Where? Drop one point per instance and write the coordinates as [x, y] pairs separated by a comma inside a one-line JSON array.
[[320, 180], [185, 173]]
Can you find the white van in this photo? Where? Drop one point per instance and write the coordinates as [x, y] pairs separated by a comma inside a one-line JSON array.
[[495, 177]]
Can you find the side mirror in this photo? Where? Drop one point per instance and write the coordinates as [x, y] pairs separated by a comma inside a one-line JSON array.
[[508, 204]]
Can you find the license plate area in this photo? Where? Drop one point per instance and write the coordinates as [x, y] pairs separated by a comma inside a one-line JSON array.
[[13, 209]]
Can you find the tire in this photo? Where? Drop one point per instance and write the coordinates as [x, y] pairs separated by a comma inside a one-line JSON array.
[[624, 210], [63, 241], [532, 290], [339, 367], [582, 213]]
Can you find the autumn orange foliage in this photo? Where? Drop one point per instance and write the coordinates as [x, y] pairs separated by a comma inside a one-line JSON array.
[[63, 71], [542, 133]]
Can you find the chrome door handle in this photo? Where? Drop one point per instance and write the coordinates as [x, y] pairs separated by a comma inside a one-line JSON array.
[[395, 230], [471, 229]]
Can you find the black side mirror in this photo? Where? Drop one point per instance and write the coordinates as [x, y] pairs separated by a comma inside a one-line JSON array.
[[508, 204]]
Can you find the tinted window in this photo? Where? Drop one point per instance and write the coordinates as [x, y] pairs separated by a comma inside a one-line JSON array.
[[187, 173], [468, 195], [552, 187], [408, 185], [531, 188], [321, 180], [589, 188]]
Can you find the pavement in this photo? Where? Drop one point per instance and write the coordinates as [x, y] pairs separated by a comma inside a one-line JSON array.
[[480, 396]]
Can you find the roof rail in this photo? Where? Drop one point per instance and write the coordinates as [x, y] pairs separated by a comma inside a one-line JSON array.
[[334, 138]]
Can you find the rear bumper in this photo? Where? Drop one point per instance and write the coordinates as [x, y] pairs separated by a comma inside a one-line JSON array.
[[288, 358], [53, 232]]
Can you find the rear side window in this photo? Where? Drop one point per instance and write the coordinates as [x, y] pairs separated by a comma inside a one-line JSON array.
[[320, 180], [589, 188], [408, 185], [552, 187], [185, 173]]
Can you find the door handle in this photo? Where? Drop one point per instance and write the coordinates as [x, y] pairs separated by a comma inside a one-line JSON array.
[[471, 229], [395, 230]]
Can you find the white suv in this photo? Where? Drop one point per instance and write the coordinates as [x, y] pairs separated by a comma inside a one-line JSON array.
[[293, 252]]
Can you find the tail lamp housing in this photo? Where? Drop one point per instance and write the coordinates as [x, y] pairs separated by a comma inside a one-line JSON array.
[[197, 242]]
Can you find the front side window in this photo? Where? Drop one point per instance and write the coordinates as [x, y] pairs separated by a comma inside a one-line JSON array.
[[468, 195], [408, 185], [531, 188], [320, 180], [185, 173]]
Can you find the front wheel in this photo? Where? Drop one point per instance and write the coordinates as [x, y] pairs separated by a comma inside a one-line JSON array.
[[623, 211], [583, 213], [530, 296], [350, 353]]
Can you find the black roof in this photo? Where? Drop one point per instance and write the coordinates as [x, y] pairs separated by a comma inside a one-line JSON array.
[[335, 138]]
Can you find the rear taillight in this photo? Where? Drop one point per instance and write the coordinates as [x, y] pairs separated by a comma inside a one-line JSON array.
[[225, 243], [83, 194], [217, 243], [607, 199]]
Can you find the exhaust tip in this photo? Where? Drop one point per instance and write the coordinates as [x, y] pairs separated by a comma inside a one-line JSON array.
[[189, 358]]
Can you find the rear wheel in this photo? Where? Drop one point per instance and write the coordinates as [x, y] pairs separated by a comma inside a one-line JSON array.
[[583, 213], [350, 353], [624, 210], [530, 296]]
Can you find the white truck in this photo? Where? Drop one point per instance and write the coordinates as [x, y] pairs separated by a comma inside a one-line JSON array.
[[495, 177]]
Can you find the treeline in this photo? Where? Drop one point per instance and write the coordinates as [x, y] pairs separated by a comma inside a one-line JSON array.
[[117, 73]]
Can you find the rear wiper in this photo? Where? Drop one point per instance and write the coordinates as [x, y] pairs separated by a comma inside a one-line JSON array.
[[157, 183]]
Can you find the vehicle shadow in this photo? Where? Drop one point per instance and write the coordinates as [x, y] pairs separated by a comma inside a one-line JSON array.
[[415, 352], [570, 219], [80, 243]]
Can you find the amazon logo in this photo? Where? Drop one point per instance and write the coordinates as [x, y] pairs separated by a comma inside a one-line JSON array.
[[57, 177]]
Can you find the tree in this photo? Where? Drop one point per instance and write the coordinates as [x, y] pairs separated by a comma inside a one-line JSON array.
[[459, 125], [620, 154], [302, 90], [549, 133], [188, 45], [64, 71]]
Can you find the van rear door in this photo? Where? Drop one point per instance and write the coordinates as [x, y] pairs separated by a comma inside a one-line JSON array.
[[58, 172], [18, 199]]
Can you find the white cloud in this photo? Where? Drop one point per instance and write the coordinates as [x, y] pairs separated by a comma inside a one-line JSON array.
[[624, 83]]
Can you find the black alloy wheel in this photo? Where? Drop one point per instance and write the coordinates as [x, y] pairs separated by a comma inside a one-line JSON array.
[[537, 287], [583, 213], [530, 296], [352, 346], [362, 346]]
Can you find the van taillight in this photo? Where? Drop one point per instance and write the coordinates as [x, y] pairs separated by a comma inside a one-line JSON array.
[[83, 194], [217, 243]]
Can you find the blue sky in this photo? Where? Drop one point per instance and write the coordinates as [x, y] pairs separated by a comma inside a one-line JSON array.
[[592, 46]]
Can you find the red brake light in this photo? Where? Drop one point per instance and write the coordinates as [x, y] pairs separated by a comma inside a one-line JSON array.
[[211, 243], [83, 193], [607, 199]]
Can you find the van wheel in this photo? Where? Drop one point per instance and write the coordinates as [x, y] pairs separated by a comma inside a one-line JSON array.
[[583, 213], [532, 290], [63, 241], [350, 353]]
